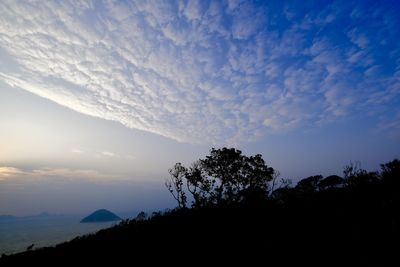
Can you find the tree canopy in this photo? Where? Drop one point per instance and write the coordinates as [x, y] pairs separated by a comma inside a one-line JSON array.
[[224, 176]]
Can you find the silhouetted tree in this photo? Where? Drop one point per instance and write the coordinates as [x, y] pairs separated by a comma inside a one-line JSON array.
[[233, 176], [330, 182], [141, 216], [273, 182], [283, 192], [354, 176], [391, 171], [223, 167], [175, 184], [353, 169], [224, 176], [309, 184], [199, 185]]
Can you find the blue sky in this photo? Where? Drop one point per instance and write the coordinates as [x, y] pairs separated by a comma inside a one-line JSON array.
[[114, 93]]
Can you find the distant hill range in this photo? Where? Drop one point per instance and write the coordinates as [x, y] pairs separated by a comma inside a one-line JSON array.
[[101, 215]]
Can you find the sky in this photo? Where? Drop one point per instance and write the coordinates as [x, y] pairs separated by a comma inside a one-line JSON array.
[[99, 98]]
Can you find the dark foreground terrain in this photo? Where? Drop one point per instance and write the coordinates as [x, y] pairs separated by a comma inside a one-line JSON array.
[[356, 223]]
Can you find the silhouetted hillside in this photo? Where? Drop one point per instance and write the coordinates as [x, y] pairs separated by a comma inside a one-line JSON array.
[[101, 215], [352, 220]]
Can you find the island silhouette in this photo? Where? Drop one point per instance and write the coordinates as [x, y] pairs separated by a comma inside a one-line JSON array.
[[101, 215]]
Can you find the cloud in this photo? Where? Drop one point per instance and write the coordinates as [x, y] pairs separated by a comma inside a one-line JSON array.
[[109, 154], [103, 154], [6, 172], [200, 72], [77, 151], [15, 174]]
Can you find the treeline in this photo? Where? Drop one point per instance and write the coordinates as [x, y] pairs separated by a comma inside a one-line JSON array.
[[228, 177], [234, 209]]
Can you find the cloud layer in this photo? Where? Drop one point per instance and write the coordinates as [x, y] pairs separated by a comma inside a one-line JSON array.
[[15, 175], [206, 72]]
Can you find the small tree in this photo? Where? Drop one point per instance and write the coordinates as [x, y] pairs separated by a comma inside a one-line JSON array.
[[175, 184]]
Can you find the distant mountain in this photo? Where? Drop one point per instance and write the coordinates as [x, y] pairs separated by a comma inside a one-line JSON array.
[[101, 215], [42, 215]]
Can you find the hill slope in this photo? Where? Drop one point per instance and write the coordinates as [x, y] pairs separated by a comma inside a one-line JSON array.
[[351, 221], [335, 226]]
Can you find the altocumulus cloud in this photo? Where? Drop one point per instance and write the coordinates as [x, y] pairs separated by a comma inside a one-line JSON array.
[[221, 71]]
